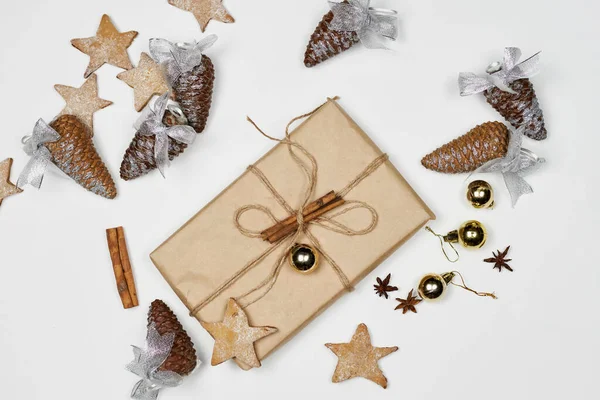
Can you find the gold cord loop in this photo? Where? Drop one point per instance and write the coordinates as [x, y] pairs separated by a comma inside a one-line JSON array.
[[442, 241], [464, 286]]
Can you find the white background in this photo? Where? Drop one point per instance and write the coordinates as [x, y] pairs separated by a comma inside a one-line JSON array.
[[63, 333]]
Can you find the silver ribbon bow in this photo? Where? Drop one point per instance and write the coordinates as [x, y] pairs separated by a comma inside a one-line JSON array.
[[514, 165], [33, 173], [179, 58], [146, 363], [500, 75], [371, 24], [153, 126]]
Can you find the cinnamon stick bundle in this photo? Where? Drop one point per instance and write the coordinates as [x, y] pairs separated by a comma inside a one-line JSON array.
[[312, 211], [117, 246]]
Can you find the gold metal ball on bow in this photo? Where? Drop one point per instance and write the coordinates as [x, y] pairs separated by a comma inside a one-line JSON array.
[[303, 258], [480, 194]]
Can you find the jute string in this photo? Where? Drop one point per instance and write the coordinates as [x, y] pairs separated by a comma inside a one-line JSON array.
[[309, 166]]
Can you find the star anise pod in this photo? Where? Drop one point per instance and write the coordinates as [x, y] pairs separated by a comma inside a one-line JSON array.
[[408, 304], [500, 260], [383, 286]]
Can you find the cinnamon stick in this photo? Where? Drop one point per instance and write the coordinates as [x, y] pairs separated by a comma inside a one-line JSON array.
[[291, 220], [112, 237], [127, 266], [288, 229]]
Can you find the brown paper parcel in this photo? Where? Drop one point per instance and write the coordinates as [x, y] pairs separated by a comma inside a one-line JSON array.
[[209, 249]]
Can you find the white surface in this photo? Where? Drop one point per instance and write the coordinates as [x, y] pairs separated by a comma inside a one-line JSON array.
[[63, 333]]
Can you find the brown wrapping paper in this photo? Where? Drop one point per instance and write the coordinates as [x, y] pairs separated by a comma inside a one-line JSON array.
[[209, 249]]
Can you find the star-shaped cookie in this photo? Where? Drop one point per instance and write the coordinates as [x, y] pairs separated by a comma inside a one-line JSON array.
[[108, 46], [234, 337], [204, 10], [147, 79], [82, 102], [359, 358], [6, 187]]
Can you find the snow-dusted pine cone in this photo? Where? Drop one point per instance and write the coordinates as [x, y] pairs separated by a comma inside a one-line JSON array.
[[75, 154], [193, 91], [521, 109], [182, 359], [325, 42], [481, 144], [139, 157]]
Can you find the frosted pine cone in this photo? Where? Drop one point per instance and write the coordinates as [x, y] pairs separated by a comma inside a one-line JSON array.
[[74, 153], [193, 91], [139, 157], [520, 109], [481, 144], [182, 359], [325, 42]]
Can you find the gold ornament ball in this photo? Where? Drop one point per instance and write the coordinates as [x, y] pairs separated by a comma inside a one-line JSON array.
[[433, 286], [480, 194], [303, 258], [472, 234]]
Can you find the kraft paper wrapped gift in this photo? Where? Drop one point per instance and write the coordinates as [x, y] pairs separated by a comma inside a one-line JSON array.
[[209, 249]]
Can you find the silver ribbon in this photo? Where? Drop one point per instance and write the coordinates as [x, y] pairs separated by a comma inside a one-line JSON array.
[[371, 24], [517, 163], [179, 58], [153, 126], [500, 75], [146, 363], [33, 173]]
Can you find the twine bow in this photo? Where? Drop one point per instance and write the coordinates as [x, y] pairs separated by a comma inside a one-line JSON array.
[[146, 365], [33, 173], [370, 24], [152, 125], [329, 222], [514, 165], [500, 75], [179, 58]]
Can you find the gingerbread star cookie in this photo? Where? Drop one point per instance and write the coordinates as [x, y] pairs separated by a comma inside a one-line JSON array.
[[6, 187], [359, 358], [204, 10], [147, 79], [234, 337], [82, 102], [108, 46]]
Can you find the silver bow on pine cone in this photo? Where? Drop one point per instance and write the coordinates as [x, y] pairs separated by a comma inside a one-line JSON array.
[[152, 125], [179, 58], [146, 364], [501, 74], [370, 24], [33, 173], [514, 165]]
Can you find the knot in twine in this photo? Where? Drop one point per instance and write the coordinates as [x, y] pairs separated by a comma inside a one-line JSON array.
[[328, 222]]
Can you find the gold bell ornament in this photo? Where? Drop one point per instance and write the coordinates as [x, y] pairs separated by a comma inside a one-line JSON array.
[[303, 258], [471, 234], [433, 286], [480, 194]]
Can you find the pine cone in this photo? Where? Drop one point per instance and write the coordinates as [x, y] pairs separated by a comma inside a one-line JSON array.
[[325, 42], [519, 109], [74, 153], [193, 91], [182, 359], [139, 157], [481, 144]]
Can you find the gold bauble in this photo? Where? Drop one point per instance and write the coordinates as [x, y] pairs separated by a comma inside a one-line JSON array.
[[471, 234], [433, 286], [303, 258], [480, 194]]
